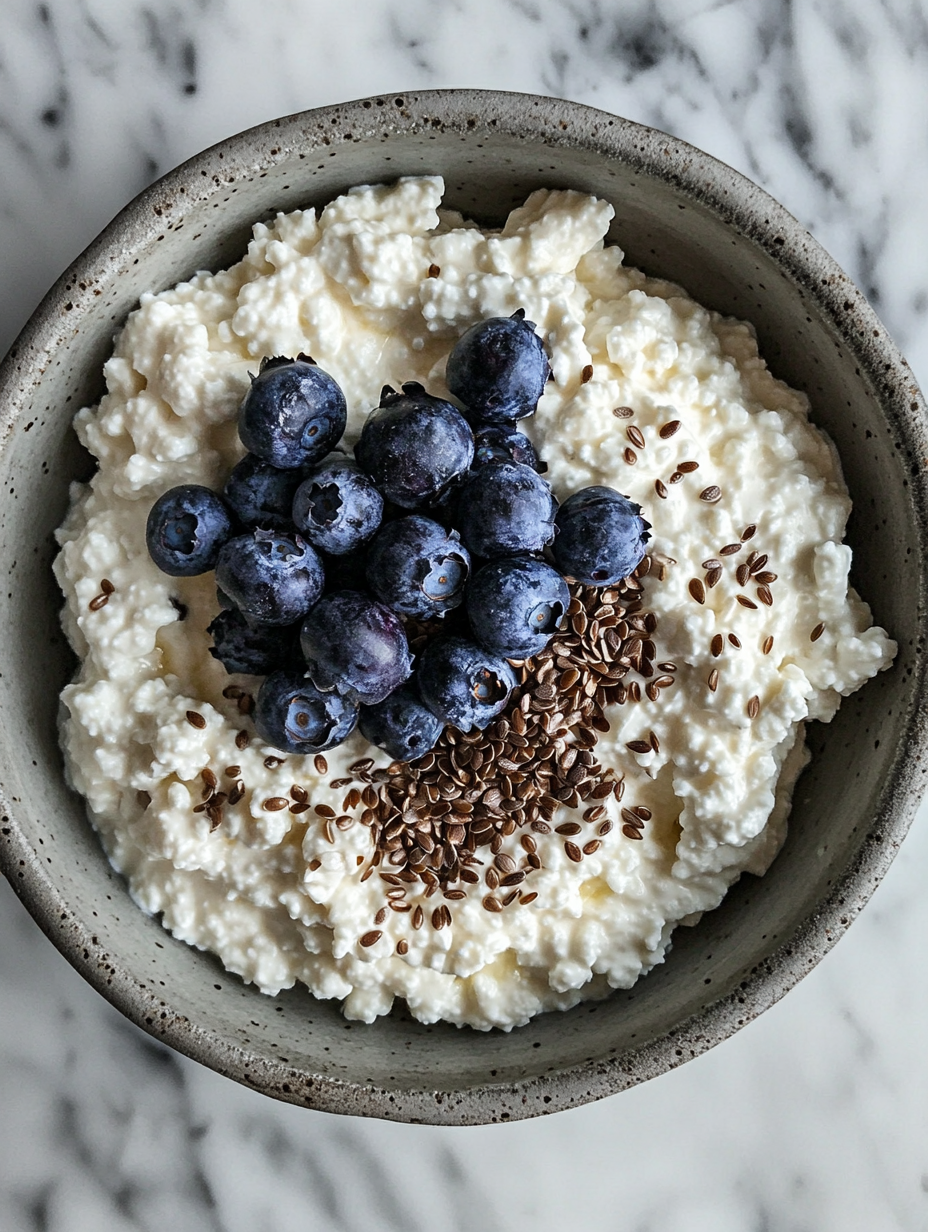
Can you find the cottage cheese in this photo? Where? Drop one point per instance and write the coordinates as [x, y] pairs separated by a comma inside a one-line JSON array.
[[267, 892]]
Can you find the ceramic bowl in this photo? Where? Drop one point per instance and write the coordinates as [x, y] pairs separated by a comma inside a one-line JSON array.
[[680, 215]]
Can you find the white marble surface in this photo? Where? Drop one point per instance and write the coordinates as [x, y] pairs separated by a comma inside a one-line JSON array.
[[812, 1119]]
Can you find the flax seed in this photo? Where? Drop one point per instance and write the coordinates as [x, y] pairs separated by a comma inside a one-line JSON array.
[[622, 412], [668, 429], [713, 681], [370, 938], [711, 494], [195, 719]]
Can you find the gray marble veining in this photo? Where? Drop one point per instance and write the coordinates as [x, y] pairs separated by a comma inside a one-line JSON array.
[[816, 1116]]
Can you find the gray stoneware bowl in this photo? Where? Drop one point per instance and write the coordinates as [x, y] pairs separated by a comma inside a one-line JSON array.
[[679, 214]]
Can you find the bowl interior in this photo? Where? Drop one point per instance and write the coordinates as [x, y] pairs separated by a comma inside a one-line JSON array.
[[678, 215]]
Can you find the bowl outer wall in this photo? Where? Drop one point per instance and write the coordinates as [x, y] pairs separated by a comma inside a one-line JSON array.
[[680, 214]]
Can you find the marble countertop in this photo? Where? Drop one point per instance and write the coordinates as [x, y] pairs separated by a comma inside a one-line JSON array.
[[815, 1117]]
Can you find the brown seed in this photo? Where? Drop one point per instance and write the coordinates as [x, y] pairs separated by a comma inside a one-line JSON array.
[[195, 719], [274, 804], [716, 645], [591, 847], [242, 740], [711, 494], [513, 879], [817, 632], [635, 435], [639, 746], [668, 429], [569, 827], [573, 852], [324, 810], [492, 878], [622, 412], [586, 374], [380, 916], [298, 793], [505, 863], [660, 489], [273, 762], [630, 456], [362, 765], [438, 918], [492, 904], [528, 843], [418, 917], [370, 938], [735, 640], [746, 602], [697, 590], [232, 772], [687, 467], [676, 477], [527, 898], [605, 828], [631, 832], [655, 743], [763, 593], [713, 681], [729, 549], [322, 766], [757, 561], [246, 703], [742, 573], [434, 270], [402, 946], [97, 602], [713, 577], [768, 645], [753, 707], [748, 533], [208, 778], [712, 563]]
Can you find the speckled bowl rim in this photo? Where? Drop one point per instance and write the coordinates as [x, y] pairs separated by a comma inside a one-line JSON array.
[[756, 216]]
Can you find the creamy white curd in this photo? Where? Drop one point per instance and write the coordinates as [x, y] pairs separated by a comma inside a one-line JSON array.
[[356, 287]]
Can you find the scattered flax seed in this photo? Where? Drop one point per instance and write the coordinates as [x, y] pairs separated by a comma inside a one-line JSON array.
[[402, 946], [298, 793], [655, 743], [586, 374], [630, 456], [711, 494], [817, 632], [371, 938], [232, 772], [322, 766], [418, 917], [713, 577], [746, 602], [713, 681], [274, 804], [697, 590], [380, 916], [768, 644], [246, 703], [232, 692], [748, 533], [568, 828], [712, 563], [98, 601], [324, 810], [314, 865], [492, 904], [272, 762], [622, 412], [434, 270], [591, 847], [242, 740], [730, 549], [668, 429], [660, 489], [676, 477], [639, 746], [753, 707], [635, 435], [631, 832], [195, 719], [605, 828], [735, 640], [716, 645], [765, 577], [573, 852], [106, 586], [527, 898], [688, 467], [765, 596], [742, 573]]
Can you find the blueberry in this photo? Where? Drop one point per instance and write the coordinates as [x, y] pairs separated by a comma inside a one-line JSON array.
[[337, 506], [498, 369], [506, 508], [260, 494], [271, 577], [401, 725], [356, 646], [255, 649], [515, 605], [293, 414], [502, 443], [601, 536], [292, 715], [463, 684], [417, 567], [186, 529], [414, 446]]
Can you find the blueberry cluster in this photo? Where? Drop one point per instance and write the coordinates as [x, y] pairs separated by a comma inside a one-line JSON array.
[[441, 522]]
